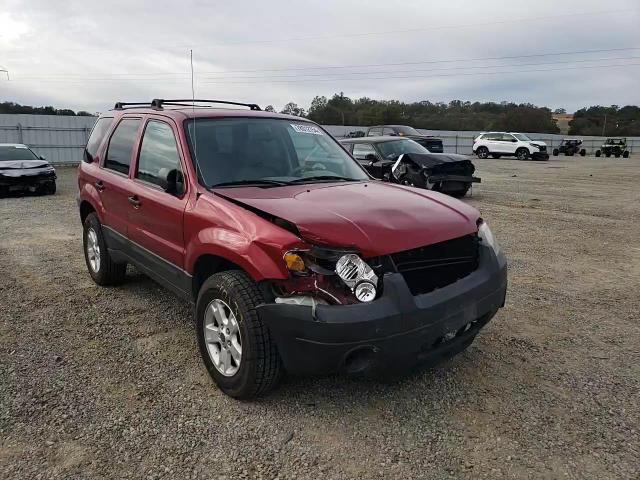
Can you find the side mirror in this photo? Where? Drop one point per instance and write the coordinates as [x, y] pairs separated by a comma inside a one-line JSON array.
[[41, 157], [371, 157], [174, 183], [87, 156]]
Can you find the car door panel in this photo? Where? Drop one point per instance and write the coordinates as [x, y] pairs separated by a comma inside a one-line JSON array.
[[157, 216], [114, 183]]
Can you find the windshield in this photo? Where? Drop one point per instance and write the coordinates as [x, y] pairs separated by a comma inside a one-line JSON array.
[[8, 153], [407, 130], [522, 137], [267, 151], [396, 148]]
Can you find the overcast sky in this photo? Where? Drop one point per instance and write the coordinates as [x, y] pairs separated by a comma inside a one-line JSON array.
[[87, 54]]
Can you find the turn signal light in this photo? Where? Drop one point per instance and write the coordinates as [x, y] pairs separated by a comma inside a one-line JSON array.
[[294, 262]]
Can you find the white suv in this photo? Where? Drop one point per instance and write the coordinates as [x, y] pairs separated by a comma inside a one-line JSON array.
[[498, 144]]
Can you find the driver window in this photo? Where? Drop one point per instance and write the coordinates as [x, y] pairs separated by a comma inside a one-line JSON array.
[[159, 158], [361, 150]]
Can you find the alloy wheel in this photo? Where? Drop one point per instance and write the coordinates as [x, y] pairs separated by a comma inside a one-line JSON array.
[[222, 336], [93, 250]]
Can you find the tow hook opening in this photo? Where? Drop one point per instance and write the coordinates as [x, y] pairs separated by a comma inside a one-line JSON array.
[[359, 360]]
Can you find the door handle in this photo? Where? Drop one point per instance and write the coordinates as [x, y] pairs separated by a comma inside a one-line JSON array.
[[99, 185], [135, 201]]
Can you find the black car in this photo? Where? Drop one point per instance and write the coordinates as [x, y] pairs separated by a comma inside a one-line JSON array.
[[23, 170], [402, 160], [433, 144], [570, 146]]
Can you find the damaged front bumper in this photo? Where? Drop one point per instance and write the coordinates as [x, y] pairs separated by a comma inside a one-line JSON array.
[[394, 332]]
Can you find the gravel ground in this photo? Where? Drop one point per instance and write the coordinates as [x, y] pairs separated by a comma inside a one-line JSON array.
[[107, 382]]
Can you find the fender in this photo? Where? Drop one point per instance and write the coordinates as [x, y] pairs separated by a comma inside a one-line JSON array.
[[254, 257]]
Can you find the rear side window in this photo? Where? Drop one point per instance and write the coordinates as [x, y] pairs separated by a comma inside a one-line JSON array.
[[374, 132], [159, 156], [95, 139], [361, 150], [121, 145]]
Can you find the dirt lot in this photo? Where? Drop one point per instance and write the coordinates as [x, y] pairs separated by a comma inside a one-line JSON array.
[[107, 383]]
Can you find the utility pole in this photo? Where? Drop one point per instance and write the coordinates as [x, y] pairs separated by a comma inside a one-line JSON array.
[[604, 127]]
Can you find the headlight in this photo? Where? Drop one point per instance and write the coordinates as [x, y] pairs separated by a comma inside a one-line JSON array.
[[358, 276], [536, 146], [485, 234]]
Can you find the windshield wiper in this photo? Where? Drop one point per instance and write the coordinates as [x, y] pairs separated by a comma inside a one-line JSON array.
[[320, 178], [248, 183]]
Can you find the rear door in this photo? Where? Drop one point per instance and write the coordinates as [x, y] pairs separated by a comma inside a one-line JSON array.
[[509, 143], [114, 184], [159, 200]]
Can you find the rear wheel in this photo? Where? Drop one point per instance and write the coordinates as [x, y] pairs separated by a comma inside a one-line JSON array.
[[625, 154], [103, 270], [583, 152], [236, 346], [522, 153], [598, 153], [482, 152]]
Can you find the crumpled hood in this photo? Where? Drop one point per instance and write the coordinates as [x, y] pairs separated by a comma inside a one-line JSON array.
[[375, 218], [538, 142], [22, 164], [431, 159], [18, 168]]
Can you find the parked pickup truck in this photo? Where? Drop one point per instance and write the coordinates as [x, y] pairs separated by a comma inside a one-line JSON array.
[[433, 144], [296, 259]]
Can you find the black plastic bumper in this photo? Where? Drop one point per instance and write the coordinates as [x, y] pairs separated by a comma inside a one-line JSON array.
[[540, 156], [454, 178], [26, 182], [394, 332]]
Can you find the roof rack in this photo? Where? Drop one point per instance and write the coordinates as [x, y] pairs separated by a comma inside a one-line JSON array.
[[121, 105], [158, 103]]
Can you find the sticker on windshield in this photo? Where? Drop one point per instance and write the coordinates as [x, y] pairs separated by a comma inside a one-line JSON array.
[[312, 129]]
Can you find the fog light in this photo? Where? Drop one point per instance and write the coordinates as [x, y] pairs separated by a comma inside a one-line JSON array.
[[365, 291]]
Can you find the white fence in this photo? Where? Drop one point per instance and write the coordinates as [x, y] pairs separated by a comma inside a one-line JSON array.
[[61, 139], [58, 138]]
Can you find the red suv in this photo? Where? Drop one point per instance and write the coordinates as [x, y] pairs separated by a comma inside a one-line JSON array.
[[296, 259]]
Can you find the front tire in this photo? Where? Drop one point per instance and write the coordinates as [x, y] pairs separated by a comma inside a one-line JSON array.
[[598, 153], [625, 154], [482, 152], [103, 270], [522, 154], [555, 152], [236, 346]]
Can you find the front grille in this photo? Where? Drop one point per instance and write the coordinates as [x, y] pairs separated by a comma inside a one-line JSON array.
[[436, 266], [543, 148]]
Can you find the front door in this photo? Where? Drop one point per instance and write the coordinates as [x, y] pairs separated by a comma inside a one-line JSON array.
[[160, 198]]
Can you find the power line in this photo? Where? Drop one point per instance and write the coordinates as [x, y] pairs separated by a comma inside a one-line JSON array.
[[425, 76], [564, 62], [421, 62]]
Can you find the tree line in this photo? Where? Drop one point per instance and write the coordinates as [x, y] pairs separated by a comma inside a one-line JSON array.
[[11, 107], [455, 115]]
